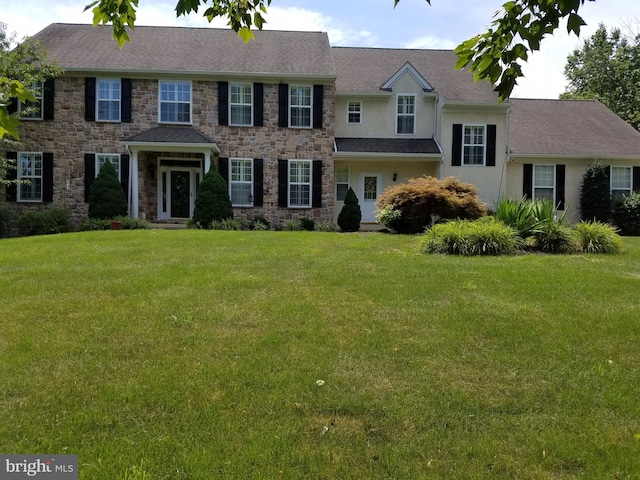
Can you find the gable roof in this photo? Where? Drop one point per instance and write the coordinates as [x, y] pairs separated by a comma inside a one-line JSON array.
[[407, 67], [191, 51], [366, 70], [578, 128]]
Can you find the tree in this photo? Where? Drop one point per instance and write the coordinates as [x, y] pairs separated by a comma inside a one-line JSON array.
[[495, 55], [212, 200], [106, 197], [595, 197], [607, 68], [350, 215]]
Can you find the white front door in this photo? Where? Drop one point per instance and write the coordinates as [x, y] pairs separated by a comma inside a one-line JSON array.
[[370, 188], [177, 192]]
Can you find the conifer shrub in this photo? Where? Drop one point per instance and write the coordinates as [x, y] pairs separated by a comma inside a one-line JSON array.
[[626, 214], [212, 201], [350, 216], [308, 224], [595, 197], [106, 197], [424, 198]]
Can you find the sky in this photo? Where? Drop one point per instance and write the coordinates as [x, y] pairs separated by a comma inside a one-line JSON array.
[[368, 23]]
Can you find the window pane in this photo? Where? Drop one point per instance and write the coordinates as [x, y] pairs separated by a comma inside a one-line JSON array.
[[342, 173], [544, 176], [300, 195], [241, 194], [621, 178], [543, 194], [405, 124], [341, 191]]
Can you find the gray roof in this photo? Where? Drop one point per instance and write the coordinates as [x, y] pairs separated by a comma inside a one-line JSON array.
[[570, 128], [387, 145], [367, 69], [169, 135], [189, 51]]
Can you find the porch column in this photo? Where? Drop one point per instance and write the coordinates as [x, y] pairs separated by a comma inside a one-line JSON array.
[[207, 162], [133, 180]]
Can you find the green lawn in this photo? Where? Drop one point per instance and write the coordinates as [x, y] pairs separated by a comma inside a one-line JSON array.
[[196, 355]]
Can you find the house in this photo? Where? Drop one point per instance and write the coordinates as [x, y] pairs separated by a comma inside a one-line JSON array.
[[291, 123]]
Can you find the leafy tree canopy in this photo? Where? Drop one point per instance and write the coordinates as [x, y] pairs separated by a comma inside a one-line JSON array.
[[607, 68], [495, 55]]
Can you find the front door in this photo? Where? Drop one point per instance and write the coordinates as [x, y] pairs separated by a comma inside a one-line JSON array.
[[370, 188], [177, 192]]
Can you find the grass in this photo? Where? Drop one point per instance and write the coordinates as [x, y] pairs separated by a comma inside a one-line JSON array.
[[195, 355]]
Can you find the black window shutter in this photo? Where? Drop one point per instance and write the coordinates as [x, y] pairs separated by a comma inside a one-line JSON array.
[[11, 190], [223, 169], [635, 178], [316, 184], [258, 104], [283, 183], [283, 105], [491, 146], [89, 173], [48, 93], [13, 105], [258, 182], [318, 96], [125, 174], [125, 103], [560, 181], [223, 103], [47, 177], [527, 181], [456, 151], [90, 99]]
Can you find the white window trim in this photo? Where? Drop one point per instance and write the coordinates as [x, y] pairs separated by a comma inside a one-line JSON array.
[[348, 180], [20, 177], [628, 190], [250, 204], [289, 183], [39, 99], [359, 102], [250, 124], [110, 155], [533, 181], [160, 102], [484, 145], [310, 107], [414, 114], [98, 99]]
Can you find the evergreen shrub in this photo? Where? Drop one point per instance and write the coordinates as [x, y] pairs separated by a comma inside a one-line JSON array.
[[308, 224], [626, 214], [44, 222], [212, 201], [106, 197], [595, 196], [350, 216]]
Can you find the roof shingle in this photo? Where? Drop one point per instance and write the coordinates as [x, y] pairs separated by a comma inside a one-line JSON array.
[[168, 134], [388, 145]]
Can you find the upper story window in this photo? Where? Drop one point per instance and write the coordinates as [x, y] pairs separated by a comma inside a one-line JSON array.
[[113, 158], [30, 171], [473, 145], [175, 101], [300, 105], [621, 181], [241, 182], [406, 115], [544, 182], [354, 111], [108, 100], [33, 110], [300, 183], [241, 104], [342, 182]]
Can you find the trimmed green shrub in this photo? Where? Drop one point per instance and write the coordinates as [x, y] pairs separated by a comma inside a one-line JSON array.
[[127, 223], [308, 224], [106, 197], [8, 219], [212, 201], [485, 236], [44, 222], [595, 196], [424, 198], [553, 237], [350, 216], [292, 225], [626, 214], [597, 237]]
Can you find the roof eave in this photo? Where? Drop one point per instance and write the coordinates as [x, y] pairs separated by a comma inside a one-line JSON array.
[[575, 156], [169, 146], [384, 156]]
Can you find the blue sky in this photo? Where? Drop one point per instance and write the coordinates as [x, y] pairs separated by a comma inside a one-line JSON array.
[[370, 23]]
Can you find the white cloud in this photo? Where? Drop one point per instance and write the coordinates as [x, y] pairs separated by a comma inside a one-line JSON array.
[[430, 42]]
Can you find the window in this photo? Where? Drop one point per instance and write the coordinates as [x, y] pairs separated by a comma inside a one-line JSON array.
[[240, 104], [30, 170], [300, 105], [113, 158], [300, 183], [621, 181], [108, 98], [354, 112], [33, 110], [406, 114], [342, 182], [473, 145], [175, 102], [544, 182], [241, 182]]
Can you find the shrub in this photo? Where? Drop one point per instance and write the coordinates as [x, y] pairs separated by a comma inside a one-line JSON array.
[[260, 223], [421, 199], [595, 197], [597, 237], [212, 201], [464, 237], [8, 219], [106, 197], [553, 237], [292, 225], [350, 216], [232, 224], [626, 214], [44, 222], [308, 224], [325, 227], [93, 224], [517, 214], [127, 223]]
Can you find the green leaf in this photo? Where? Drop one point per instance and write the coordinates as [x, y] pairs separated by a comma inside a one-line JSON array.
[[246, 34], [8, 124], [574, 22]]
